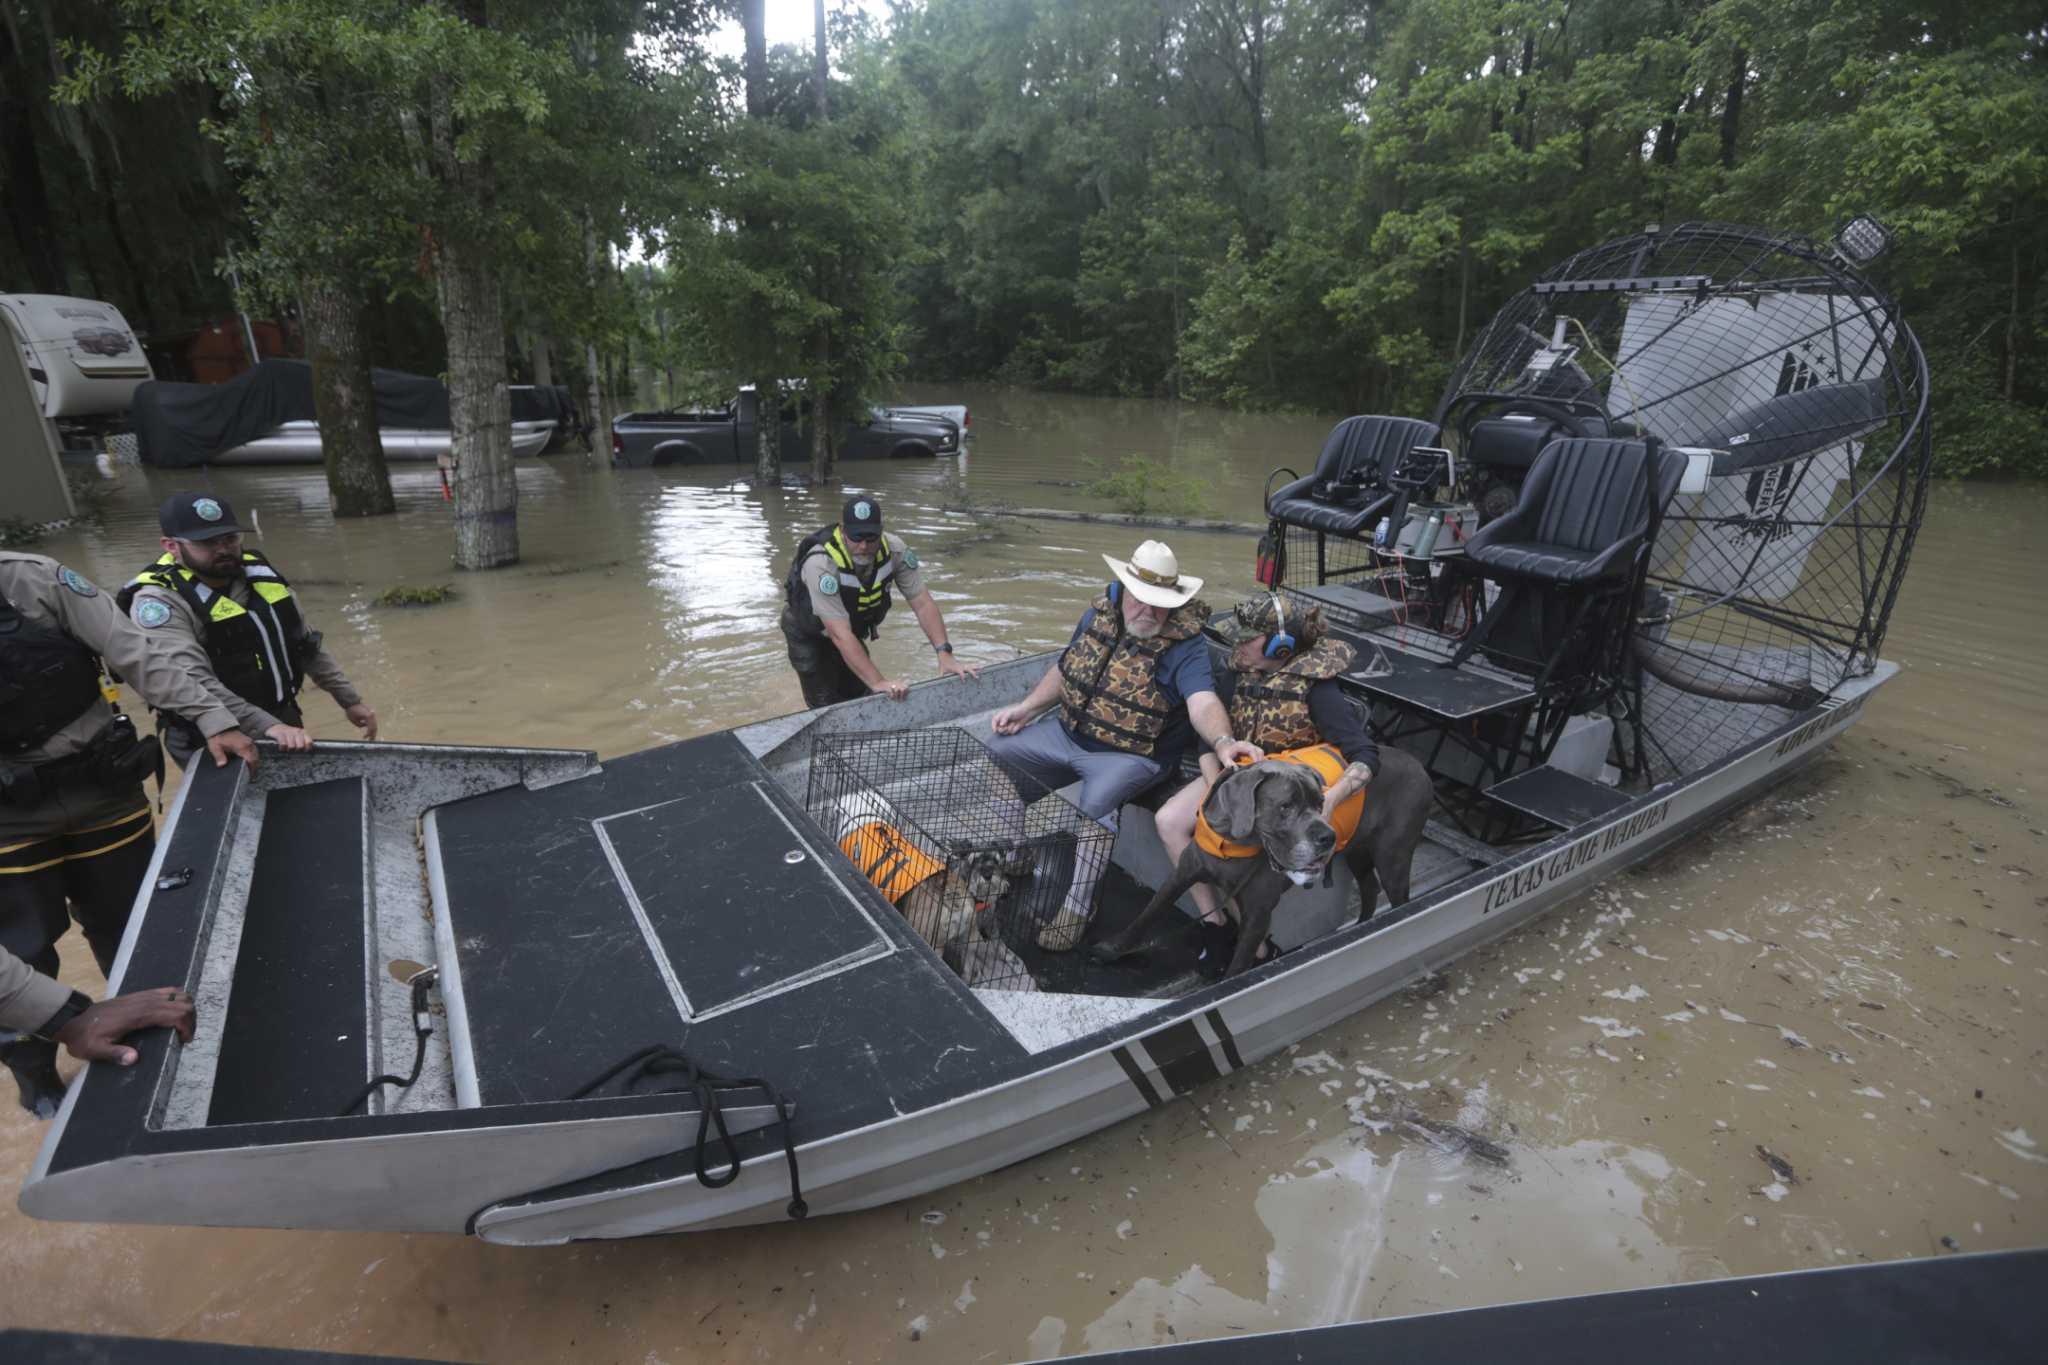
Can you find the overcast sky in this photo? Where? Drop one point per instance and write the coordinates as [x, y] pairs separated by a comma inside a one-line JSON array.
[[789, 21]]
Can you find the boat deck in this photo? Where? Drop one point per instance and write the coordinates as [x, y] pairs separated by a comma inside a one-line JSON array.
[[656, 903]]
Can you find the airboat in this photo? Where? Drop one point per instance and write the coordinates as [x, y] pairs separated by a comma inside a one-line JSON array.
[[1634, 570]]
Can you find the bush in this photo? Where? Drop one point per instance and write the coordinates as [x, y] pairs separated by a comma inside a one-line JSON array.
[[408, 595], [1142, 488]]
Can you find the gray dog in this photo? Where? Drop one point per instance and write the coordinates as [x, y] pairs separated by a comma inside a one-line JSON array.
[[1279, 807]]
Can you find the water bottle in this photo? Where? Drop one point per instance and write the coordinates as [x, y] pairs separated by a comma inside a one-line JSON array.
[[1425, 544], [1379, 535]]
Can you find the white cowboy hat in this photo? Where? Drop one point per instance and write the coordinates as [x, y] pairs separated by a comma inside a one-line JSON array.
[[1153, 575]]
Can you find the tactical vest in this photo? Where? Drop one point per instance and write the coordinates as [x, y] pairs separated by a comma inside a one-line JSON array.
[[47, 680], [867, 603], [258, 652], [1109, 678], [889, 860], [1326, 763], [1271, 709]]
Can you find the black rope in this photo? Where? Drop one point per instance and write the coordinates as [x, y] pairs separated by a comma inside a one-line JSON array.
[[683, 1075], [422, 1030]]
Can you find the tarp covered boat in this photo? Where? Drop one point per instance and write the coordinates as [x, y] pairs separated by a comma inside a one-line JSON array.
[[265, 415]]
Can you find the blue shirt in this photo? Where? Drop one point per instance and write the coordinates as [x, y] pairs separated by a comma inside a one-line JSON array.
[[1182, 671]]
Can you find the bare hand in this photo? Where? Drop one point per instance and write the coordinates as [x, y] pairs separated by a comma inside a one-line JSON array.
[[1011, 719], [897, 690], [290, 738], [96, 1034], [363, 718], [949, 664], [231, 743], [1239, 749]]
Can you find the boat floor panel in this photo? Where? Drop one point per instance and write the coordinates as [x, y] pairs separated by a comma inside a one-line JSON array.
[[1425, 684], [696, 870], [1556, 797], [561, 982], [293, 1045]]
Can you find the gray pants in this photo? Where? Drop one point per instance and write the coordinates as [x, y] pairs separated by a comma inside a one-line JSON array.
[[1043, 753], [1044, 757]]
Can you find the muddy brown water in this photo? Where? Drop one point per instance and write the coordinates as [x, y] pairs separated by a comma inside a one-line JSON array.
[[1850, 974]]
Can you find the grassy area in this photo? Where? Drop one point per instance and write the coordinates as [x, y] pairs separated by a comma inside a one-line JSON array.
[[1142, 487], [412, 595]]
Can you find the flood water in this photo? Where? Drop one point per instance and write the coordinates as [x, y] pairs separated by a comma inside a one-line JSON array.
[[1850, 974]]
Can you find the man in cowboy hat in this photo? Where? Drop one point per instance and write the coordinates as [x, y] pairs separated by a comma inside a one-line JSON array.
[[1131, 686], [835, 596], [1285, 699], [227, 617]]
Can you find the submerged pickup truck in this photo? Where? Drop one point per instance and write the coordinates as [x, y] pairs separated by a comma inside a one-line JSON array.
[[726, 436]]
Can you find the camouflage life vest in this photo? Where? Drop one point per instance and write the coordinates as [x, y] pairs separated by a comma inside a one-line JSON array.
[[1110, 688], [1271, 709]]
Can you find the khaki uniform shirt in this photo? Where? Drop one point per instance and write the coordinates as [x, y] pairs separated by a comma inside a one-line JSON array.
[[182, 638], [908, 578], [46, 593]]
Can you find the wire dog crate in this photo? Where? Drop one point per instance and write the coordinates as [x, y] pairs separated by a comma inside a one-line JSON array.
[[977, 860]]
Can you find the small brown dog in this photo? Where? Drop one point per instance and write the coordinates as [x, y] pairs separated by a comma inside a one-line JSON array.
[[949, 903]]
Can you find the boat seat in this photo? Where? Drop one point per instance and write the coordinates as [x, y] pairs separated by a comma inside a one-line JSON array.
[[1583, 511], [1577, 537], [1357, 458]]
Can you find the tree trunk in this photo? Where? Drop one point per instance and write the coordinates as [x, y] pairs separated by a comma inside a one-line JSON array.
[[543, 361], [1731, 110], [2012, 328], [345, 401], [479, 411], [596, 413], [821, 376], [767, 395], [26, 200]]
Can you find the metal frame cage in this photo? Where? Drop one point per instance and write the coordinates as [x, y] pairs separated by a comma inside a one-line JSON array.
[[1775, 353], [976, 859]]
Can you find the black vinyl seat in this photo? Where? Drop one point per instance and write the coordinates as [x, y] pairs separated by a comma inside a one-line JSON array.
[[1369, 446], [1570, 560], [1585, 509]]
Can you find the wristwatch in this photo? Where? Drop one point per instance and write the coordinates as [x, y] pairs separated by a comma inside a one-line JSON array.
[[78, 1004], [944, 647]]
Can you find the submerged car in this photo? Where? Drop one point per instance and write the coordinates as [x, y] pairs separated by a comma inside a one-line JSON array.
[[726, 435]]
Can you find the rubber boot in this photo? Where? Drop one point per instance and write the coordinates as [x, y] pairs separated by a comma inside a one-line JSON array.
[[34, 1064]]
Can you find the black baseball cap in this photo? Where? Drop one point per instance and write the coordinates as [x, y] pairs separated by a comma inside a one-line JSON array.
[[862, 516], [197, 516]]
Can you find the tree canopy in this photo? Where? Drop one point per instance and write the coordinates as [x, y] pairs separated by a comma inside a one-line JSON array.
[[1267, 203]]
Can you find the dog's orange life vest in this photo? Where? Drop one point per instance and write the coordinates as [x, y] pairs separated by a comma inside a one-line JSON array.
[[894, 864], [1326, 763]]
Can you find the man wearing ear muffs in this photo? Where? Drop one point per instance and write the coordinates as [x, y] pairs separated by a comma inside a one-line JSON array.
[[1287, 702]]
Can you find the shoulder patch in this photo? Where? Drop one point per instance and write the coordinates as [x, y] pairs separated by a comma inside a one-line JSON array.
[[76, 581], [151, 612], [829, 584], [909, 558]]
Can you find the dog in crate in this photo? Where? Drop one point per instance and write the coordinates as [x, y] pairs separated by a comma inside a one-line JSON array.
[[949, 900]]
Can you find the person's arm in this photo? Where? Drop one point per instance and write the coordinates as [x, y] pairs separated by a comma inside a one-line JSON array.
[[1339, 723], [1212, 723], [27, 998], [839, 630], [95, 621], [1189, 672], [326, 674], [927, 612], [1036, 703], [45, 1007]]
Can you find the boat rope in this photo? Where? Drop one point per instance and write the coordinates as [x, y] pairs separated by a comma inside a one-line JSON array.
[[422, 1029], [681, 1074]]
